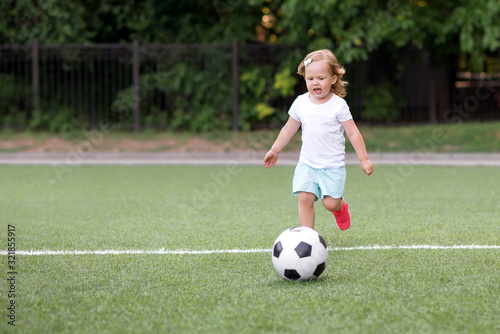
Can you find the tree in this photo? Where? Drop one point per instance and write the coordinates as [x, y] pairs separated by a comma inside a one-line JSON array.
[[355, 28], [51, 21], [150, 21], [440, 30]]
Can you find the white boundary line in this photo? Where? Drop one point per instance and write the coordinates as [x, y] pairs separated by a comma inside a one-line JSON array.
[[226, 251]]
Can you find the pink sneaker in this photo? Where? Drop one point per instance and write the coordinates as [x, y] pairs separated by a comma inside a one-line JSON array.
[[343, 217]]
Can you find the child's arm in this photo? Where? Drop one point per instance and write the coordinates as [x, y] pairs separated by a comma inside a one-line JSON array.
[[283, 139], [358, 143]]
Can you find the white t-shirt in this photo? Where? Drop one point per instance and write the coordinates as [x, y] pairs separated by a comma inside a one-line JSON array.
[[323, 142]]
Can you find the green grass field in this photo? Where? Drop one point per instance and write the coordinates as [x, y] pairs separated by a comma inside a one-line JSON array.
[[245, 207]]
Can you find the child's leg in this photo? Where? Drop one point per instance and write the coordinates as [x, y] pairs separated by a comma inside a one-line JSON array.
[[333, 204], [340, 210], [306, 209]]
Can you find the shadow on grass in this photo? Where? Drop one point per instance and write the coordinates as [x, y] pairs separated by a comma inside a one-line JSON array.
[[323, 280]]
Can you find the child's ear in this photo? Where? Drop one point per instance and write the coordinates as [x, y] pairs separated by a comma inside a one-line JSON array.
[[334, 80]]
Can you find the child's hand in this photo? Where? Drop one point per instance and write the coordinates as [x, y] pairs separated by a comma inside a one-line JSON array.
[[270, 159], [367, 166]]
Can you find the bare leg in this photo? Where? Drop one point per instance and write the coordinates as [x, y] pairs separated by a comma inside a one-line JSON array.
[[306, 209], [340, 210], [333, 204]]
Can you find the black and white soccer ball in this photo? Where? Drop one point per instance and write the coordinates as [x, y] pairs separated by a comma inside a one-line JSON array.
[[299, 254]]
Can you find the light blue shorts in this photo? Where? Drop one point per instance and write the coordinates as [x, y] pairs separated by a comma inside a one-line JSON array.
[[320, 182]]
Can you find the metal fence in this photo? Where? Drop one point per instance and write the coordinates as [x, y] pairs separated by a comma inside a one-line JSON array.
[[201, 87]]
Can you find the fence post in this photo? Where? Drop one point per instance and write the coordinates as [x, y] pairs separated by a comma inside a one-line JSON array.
[[432, 95], [235, 84], [136, 87], [432, 88], [35, 72]]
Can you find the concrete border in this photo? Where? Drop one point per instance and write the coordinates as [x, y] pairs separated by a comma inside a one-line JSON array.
[[243, 158]]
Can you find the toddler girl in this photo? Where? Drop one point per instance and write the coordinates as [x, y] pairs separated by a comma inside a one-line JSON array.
[[324, 115]]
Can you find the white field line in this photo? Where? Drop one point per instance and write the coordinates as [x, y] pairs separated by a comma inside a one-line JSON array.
[[226, 251]]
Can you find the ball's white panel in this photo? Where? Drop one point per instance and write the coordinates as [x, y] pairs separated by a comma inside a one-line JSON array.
[[309, 235], [290, 239], [287, 260], [306, 267], [319, 253]]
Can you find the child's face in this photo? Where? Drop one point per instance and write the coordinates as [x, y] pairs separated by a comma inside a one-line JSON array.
[[319, 81]]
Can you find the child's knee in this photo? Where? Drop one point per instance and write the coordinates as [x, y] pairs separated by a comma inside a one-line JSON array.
[[307, 198], [332, 204]]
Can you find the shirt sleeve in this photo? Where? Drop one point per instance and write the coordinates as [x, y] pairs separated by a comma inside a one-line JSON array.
[[294, 110], [344, 113]]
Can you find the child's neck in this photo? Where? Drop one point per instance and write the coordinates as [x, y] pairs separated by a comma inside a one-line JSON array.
[[324, 99]]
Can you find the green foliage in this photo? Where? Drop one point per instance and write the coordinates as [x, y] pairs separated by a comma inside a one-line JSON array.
[[259, 92], [92, 21], [51, 21], [12, 95], [12, 92], [382, 102], [285, 82], [263, 110], [38, 120], [63, 120], [355, 28], [198, 93], [352, 28], [254, 80], [14, 118], [261, 89], [201, 102], [56, 120], [253, 91], [476, 24], [7, 91]]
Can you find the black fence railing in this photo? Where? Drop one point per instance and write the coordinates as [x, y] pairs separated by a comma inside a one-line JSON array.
[[202, 87]]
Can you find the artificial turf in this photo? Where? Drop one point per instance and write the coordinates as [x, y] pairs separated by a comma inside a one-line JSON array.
[[246, 207]]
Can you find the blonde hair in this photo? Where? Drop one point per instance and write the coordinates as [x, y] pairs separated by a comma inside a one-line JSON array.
[[338, 88]]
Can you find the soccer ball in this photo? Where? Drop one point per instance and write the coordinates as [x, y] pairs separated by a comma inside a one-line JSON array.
[[299, 254]]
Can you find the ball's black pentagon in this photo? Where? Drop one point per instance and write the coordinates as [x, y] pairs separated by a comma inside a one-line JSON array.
[[322, 241], [321, 267], [303, 249], [278, 247], [292, 274]]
